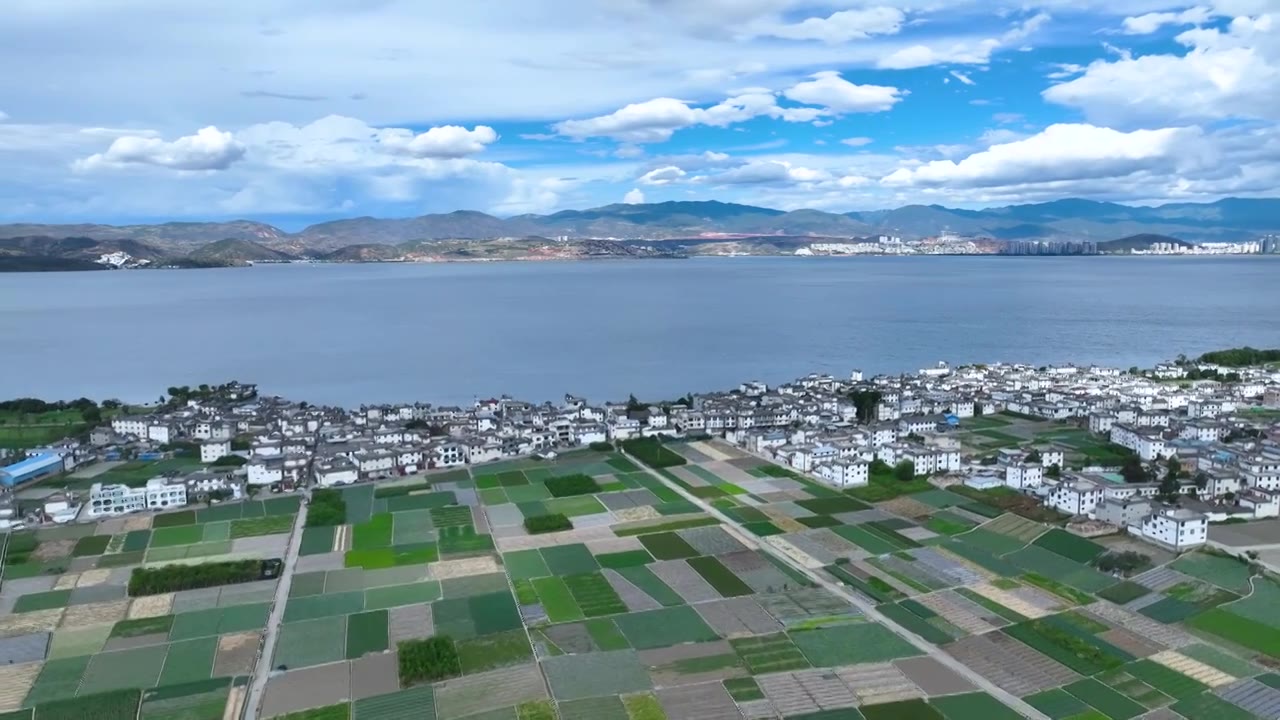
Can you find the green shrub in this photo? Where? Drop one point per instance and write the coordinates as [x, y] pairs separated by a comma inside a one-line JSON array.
[[172, 578], [652, 452], [601, 446], [229, 461], [327, 508], [547, 523], [570, 485], [428, 660]]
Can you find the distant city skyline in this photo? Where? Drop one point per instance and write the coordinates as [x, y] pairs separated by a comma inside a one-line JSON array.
[[141, 111]]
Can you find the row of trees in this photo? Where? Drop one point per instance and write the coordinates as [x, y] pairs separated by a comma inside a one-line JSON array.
[[172, 578], [1241, 357]]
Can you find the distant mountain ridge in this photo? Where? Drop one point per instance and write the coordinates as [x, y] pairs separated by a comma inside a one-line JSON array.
[[1229, 219]]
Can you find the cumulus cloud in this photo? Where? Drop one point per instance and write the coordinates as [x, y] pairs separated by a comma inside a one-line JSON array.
[[1224, 73], [1151, 22], [446, 141], [633, 197], [766, 171], [841, 27], [645, 122], [208, 149], [831, 91], [1060, 152]]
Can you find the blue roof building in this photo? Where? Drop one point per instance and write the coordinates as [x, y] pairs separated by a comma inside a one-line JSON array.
[[33, 468]]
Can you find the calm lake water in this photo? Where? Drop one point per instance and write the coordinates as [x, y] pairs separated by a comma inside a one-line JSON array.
[[347, 334]]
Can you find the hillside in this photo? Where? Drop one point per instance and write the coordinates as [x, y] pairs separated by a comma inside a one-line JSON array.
[[1142, 241], [78, 248], [1231, 219], [231, 252]]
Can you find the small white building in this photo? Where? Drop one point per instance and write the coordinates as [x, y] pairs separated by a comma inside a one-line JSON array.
[[1023, 476], [336, 471], [1075, 497], [1177, 529], [212, 450], [158, 494], [844, 473], [265, 470]]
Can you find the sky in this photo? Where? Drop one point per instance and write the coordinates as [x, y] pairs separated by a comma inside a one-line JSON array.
[[298, 111]]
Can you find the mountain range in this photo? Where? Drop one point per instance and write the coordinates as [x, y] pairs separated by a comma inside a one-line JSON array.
[[1230, 219]]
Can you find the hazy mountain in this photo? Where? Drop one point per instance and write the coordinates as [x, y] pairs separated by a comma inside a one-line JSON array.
[[77, 248], [1069, 219]]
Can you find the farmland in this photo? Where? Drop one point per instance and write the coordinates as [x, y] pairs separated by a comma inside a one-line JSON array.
[[440, 600]]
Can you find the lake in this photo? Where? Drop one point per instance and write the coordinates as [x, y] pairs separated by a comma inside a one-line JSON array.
[[447, 333]]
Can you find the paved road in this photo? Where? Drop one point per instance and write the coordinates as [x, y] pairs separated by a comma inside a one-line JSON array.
[[868, 609], [262, 668]]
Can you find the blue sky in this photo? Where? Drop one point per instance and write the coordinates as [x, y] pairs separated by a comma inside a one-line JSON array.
[[305, 110]]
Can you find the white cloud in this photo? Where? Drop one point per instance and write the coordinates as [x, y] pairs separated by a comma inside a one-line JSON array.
[[765, 171], [447, 141], [1060, 152], [857, 141], [962, 77], [633, 197], [829, 90], [662, 176], [842, 27], [1231, 73], [1151, 22], [1063, 71], [3, 116], [209, 149], [961, 52], [650, 121]]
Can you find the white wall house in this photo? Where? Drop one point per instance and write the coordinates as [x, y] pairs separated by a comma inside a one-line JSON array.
[[265, 471], [130, 425], [1022, 476], [211, 450], [160, 432], [1075, 497], [1175, 528], [844, 473], [336, 471], [119, 499], [1147, 446]]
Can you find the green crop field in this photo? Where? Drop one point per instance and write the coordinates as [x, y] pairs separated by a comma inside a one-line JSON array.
[[663, 628], [366, 633], [268, 525], [1108, 701], [769, 654], [189, 661], [1072, 547], [720, 577], [667, 546], [1240, 630], [594, 595], [851, 644], [557, 600], [569, 559], [311, 642], [973, 706], [525, 565], [643, 578], [629, 558], [173, 536], [494, 651]]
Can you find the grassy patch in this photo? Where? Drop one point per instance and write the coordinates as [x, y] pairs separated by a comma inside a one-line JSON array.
[[115, 705], [366, 633], [743, 689], [464, 541], [1124, 592], [254, 527], [1072, 547], [556, 600], [1068, 648], [428, 660], [769, 653], [851, 644], [539, 524], [494, 651], [645, 528], [628, 558], [573, 559], [376, 533], [1240, 630], [882, 487], [395, 556], [1111, 703], [91, 545], [1065, 592], [174, 519], [652, 452], [142, 626], [570, 485], [663, 628]]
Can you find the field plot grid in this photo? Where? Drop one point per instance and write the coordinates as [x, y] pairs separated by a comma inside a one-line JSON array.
[[808, 691], [1009, 664]]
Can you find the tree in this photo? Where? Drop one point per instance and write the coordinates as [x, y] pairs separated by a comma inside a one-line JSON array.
[[1133, 471], [880, 467], [905, 471], [1125, 562], [865, 401], [92, 415], [1169, 486], [1054, 471], [633, 404], [229, 461], [1201, 480], [1173, 468], [977, 409], [1033, 457]]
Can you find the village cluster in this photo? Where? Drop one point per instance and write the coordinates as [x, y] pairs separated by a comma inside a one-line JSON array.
[[946, 422]]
